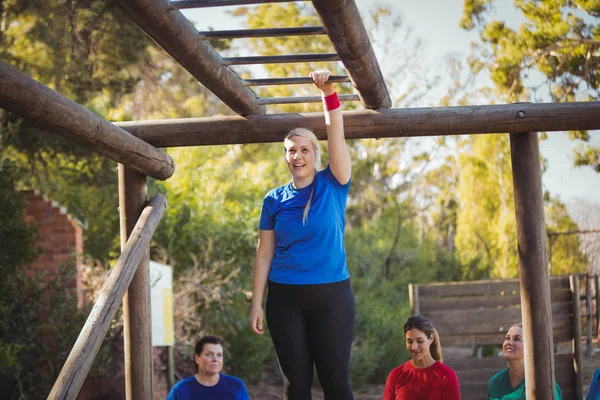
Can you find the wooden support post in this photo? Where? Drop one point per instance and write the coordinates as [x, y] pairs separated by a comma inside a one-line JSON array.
[[172, 31], [577, 362], [136, 303], [413, 297], [28, 98], [347, 32], [536, 309], [170, 367], [588, 314], [88, 343], [596, 285], [372, 124]]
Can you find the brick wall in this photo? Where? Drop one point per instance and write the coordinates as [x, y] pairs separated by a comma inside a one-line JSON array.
[[60, 238]]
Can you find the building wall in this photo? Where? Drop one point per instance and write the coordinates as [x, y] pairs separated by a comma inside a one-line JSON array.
[[60, 239]]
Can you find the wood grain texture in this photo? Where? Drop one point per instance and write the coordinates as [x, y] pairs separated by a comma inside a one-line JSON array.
[[373, 124], [88, 343], [30, 99]]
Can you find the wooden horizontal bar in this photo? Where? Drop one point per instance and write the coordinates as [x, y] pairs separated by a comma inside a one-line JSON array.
[[180, 4], [26, 97], [88, 343], [372, 124], [265, 32], [291, 81], [349, 37], [172, 31], [305, 99], [319, 57], [495, 287]]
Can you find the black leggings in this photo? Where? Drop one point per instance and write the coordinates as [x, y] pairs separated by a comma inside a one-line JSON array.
[[313, 324]]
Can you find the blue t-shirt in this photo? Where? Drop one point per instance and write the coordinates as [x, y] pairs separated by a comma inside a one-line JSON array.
[[228, 388], [594, 392], [310, 253]]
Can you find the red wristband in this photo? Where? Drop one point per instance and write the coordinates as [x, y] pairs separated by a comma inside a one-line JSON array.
[[331, 102]]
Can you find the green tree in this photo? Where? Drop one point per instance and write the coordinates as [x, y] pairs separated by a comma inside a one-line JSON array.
[[559, 39], [486, 227]]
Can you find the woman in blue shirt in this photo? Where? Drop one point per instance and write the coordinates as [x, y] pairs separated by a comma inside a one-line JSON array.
[[301, 257], [208, 383]]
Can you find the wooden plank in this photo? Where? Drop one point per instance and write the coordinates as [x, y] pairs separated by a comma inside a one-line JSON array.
[[305, 99], [562, 362], [484, 302], [30, 99], [172, 31], [288, 58], [137, 328], [364, 124], [351, 41], [88, 343], [263, 32], [533, 266], [180, 4], [482, 321], [562, 334], [488, 316], [496, 287], [291, 81]]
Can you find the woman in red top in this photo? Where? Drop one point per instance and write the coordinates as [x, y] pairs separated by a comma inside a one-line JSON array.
[[423, 377]]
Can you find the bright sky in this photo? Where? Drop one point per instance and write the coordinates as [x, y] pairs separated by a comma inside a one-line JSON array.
[[436, 23]]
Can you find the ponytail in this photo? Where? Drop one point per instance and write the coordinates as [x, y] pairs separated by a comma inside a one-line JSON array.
[[436, 347]]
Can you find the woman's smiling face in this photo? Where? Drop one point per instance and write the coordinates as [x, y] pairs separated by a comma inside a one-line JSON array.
[[417, 344], [300, 156], [512, 347]]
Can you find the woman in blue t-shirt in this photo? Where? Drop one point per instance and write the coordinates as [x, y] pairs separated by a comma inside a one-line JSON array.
[[301, 257], [208, 383]]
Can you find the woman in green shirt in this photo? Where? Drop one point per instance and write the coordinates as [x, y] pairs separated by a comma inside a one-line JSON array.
[[509, 384]]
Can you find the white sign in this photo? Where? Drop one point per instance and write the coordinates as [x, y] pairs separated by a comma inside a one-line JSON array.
[[161, 292]]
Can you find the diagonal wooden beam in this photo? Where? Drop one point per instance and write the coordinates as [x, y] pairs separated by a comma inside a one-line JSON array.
[[26, 97], [374, 124], [347, 32], [178, 37]]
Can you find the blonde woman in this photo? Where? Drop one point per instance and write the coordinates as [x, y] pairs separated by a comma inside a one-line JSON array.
[[301, 257], [509, 384]]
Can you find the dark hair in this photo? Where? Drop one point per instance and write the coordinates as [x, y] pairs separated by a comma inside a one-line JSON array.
[[424, 325], [207, 339]]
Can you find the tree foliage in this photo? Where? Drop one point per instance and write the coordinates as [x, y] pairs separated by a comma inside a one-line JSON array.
[[558, 40]]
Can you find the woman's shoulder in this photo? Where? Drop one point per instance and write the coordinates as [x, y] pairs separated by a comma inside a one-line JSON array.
[[444, 369], [232, 381]]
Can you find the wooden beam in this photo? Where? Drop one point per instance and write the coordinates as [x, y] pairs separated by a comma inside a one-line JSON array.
[[305, 99], [521, 117], [291, 81], [26, 97], [178, 37], [137, 329], [81, 357], [536, 308], [179, 4], [347, 32], [264, 32], [288, 58]]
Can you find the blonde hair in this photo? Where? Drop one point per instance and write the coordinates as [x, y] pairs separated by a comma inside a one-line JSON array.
[[307, 134]]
